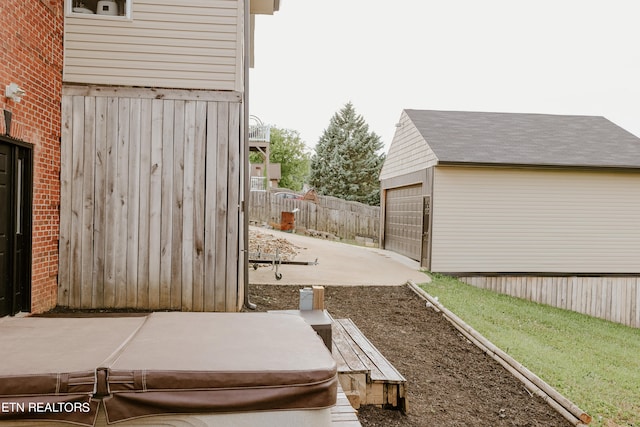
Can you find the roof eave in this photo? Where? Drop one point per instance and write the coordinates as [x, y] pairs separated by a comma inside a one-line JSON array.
[[539, 166]]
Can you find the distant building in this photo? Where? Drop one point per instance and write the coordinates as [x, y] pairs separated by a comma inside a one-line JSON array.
[[260, 177], [518, 197]]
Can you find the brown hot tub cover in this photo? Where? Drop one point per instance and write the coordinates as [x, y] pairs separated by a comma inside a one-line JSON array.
[[61, 369], [47, 369], [219, 362]]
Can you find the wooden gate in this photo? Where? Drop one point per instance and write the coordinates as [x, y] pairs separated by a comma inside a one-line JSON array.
[[150, 195]]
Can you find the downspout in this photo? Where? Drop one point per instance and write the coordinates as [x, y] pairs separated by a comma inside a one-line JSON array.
[[245, 147]]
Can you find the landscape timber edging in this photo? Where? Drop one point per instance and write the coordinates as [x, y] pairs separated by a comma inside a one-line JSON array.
[[532, 382]]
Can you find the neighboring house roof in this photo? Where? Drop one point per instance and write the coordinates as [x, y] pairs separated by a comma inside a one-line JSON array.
[[526, 139]]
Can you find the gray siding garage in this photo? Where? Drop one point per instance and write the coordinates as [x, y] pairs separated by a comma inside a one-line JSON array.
[[520, 196]]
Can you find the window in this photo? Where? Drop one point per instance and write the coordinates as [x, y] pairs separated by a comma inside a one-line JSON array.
[[102, 8]]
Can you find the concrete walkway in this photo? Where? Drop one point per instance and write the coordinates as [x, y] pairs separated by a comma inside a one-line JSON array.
[[339, 264]]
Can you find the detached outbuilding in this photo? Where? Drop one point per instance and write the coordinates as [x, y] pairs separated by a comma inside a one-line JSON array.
[[538, 206]]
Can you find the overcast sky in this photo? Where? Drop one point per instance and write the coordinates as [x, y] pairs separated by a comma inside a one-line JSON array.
[[532, 56]]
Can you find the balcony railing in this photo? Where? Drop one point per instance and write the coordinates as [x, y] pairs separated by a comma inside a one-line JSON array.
[[258, 183], [261, 133]]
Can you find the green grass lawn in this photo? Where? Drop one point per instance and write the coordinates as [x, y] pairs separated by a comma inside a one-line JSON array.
[[592, 362]]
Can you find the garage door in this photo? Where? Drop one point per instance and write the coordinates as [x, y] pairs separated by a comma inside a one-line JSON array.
[[403, 220]]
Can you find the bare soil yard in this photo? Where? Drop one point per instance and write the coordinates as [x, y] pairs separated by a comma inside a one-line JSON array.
[[450, 381]]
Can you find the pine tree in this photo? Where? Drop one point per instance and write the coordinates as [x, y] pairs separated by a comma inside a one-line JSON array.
[[346, 163]]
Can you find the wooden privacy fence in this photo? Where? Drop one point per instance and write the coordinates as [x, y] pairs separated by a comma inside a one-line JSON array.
[[341, 218], [150, 189], [614, 298]]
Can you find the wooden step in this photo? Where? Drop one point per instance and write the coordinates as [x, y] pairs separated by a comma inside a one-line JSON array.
[[343, 414], [366, 376]]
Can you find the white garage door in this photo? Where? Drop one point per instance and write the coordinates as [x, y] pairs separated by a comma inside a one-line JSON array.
[[403, 220]]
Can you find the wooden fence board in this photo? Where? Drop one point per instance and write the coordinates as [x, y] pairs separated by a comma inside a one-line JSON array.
[[177, 181], [110, 204], [88, 162], [122, 201], [632, 289], [594, 293], [99, 213], [186, 296], [637, 305], [220, 212], [621, 288], [64, 243], [233, 209], [76, 200], [155, 208], [144, 209], [166, 226], [198, 295], [610, 293], [134, 195], [211, 206]]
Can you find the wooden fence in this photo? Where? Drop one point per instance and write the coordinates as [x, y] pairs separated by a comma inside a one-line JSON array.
[[150, 184], [341, 218], [613, 298]]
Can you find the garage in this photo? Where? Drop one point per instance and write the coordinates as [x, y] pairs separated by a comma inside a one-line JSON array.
[[403, 220], [518, 201]]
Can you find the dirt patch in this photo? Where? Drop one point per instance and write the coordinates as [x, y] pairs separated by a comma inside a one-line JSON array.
[[265, 246], [450, 381]]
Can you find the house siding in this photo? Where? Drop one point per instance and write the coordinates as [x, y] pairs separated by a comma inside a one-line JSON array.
[[31, 56], [408, 152], [534, 220], [192, 44]]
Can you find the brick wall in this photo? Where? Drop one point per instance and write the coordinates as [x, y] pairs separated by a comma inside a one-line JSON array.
[[31, 56]]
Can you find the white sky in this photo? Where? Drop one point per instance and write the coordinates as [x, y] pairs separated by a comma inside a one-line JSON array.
[[529, 56]]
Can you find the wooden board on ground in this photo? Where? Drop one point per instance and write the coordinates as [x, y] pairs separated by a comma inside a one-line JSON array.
[[366, 376]]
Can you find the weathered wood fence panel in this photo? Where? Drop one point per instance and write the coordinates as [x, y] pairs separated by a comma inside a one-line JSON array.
[[613, 298], [332, 215], [150, 189]]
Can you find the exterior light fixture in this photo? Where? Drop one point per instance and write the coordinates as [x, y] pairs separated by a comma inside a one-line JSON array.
[[14, 92]]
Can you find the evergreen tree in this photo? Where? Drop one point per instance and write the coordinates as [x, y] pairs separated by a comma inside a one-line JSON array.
[[346, 163]]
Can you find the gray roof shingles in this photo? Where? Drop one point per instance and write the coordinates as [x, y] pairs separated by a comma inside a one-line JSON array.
[[526, 139]]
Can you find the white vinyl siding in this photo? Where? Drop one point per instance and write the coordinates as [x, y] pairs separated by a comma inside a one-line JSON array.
[[408, 151], [539, 221], [192, 44]]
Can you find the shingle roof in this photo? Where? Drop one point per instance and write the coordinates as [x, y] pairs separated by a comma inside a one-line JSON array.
[[526, 139]]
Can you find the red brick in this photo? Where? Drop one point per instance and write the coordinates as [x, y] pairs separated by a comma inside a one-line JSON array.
[[31, 56]]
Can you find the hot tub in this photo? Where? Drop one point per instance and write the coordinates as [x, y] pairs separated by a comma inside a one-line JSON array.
[[222, 369]]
